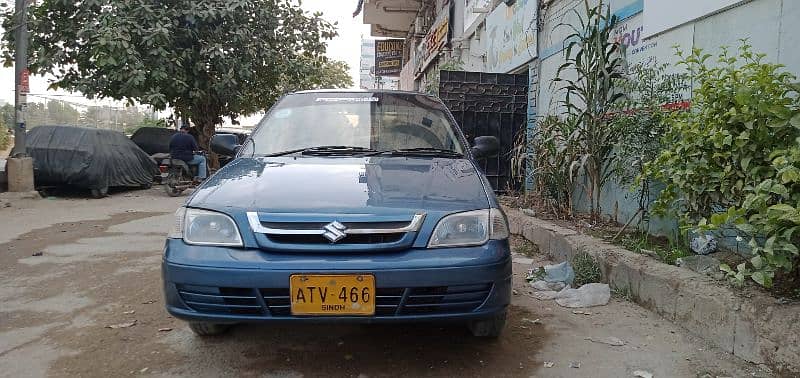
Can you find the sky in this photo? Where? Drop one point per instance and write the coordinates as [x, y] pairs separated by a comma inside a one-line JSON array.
[[345, 47]]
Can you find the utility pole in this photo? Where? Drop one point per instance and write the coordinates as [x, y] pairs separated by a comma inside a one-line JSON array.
[[20, 79], [20, 166]]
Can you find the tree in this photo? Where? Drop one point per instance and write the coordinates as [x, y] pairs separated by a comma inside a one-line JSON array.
[[205, 59]]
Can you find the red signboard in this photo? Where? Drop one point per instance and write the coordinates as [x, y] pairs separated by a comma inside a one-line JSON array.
[[24, 81]]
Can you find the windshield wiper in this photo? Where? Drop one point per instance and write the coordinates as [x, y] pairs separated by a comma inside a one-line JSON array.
[[324, 151], [419, 151]]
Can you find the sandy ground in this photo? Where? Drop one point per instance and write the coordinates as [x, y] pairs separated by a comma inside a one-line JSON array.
[[99, 266]]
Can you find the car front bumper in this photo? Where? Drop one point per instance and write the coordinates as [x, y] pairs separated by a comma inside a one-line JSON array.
[[229, 285]]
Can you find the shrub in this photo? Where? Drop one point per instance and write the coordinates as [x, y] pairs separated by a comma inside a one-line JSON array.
[[587, 270], [734, 159]]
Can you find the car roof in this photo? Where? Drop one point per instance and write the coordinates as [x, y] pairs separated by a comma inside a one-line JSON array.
[[363, 91]]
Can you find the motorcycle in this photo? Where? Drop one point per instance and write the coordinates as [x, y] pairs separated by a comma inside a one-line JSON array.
[[177, 176]]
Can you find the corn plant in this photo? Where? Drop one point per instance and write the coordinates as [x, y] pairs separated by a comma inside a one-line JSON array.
[[589, 100]]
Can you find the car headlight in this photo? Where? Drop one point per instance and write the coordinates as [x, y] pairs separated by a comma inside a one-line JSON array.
[[203, 227], [469, 228]]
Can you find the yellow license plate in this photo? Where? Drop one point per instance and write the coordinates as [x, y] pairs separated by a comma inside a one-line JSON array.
[[333, 295]]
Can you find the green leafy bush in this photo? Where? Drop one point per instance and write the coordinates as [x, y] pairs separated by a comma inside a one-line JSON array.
[[640, 118], [734, 159]]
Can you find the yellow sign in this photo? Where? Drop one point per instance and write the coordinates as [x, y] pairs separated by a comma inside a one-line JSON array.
[[332, 295]]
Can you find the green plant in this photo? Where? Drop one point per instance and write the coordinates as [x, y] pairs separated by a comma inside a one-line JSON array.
[[543, 157], [640, 119], [587, 270], [4, 139], [622, 293], [433, 76], [594, 58], [526, 248], [734, 159]]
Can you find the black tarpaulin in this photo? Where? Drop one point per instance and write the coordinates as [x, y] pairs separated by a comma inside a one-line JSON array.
[[87, 158], [153, 140]]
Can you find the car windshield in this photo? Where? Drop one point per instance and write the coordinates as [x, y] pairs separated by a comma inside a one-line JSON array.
[[360, 121]]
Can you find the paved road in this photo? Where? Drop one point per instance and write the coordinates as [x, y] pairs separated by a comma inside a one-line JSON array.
[[100, 266]]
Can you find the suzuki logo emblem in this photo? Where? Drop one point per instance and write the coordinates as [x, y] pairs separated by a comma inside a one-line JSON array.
[[334, 231]]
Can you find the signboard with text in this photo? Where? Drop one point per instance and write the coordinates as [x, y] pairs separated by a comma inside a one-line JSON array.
[[388, 57], [437, 37]]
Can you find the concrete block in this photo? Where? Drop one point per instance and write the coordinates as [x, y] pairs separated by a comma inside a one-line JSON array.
[[561, 249], [707, 311], [657, 293], [539, 236], [746, 343], [20, 174]]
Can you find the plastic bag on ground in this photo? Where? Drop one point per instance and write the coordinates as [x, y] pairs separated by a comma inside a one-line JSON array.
[[589, 295], [559, 273], [549, 295], [703, 244], [542, 285]]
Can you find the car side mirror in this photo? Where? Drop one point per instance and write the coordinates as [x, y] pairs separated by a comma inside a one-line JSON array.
[[225, 144], [485, 147]]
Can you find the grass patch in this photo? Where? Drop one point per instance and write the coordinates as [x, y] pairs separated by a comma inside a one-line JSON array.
[[587, 270], [658, 248], [523, 246]]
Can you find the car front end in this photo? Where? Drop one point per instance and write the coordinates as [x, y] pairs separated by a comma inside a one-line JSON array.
[[344, 236]]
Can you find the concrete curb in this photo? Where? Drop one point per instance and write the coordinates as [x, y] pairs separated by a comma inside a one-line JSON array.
[[755, 329]]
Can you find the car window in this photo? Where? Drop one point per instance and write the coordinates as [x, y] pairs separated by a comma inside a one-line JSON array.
[[378, 121]]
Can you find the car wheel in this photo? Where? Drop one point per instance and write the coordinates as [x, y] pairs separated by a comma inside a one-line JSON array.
[[208, 329], [99, 193], [490, 327]]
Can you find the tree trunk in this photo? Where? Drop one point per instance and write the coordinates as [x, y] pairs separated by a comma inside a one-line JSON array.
[[205, 130]]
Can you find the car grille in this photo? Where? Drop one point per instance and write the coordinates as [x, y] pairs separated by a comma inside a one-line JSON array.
[[388, 301], [221, 300], [350, 239]]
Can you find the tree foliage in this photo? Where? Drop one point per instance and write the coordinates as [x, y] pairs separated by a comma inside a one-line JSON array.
[[734, 159], [206, 59]]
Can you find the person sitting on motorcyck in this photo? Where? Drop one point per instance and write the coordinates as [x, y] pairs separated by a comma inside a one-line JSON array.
[[183, 146]]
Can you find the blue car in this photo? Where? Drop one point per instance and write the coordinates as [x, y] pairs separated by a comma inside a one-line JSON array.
[[343, 206]]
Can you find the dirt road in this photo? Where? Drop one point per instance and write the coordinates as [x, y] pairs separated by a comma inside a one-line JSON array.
[[72, 267]]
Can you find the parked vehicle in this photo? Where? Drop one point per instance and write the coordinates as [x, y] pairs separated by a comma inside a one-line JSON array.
[[344, 206], [177, 175], [153, 140], [93, 159]]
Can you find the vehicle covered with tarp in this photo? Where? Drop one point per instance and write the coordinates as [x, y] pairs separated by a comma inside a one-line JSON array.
[[153, 140], [88, 158]]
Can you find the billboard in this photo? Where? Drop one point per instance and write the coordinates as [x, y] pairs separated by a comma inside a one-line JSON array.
[[437, 37], [388, 57], [512, 35]]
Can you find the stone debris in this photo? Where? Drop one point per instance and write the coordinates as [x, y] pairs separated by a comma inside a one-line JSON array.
[[611, 340], [122, 325]]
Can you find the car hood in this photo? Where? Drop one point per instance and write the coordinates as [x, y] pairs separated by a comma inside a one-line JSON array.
[[365, 185]]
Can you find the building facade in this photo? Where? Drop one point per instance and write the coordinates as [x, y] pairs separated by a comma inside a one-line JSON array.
[[528, 37]]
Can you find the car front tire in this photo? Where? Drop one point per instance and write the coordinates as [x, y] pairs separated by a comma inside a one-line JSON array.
[[208, 329], [490, 327]]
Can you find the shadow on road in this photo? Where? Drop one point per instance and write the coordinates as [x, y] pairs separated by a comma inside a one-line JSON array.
[[373, 350]]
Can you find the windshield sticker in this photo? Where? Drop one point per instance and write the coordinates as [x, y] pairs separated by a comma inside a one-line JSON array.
[[347, 99], [283, 113]]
